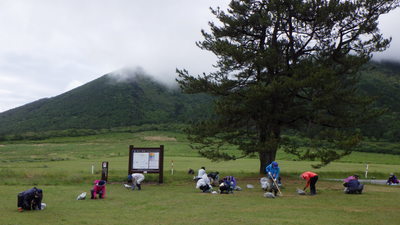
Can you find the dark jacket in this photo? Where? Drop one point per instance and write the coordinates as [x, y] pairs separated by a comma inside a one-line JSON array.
[[392, 180], [30, 199], [354, 186], [214, 175]]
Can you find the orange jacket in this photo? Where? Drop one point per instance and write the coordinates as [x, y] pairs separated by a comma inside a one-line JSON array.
[[307, 176]]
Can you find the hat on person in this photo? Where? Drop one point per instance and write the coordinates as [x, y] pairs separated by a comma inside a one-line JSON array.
[[274, 164], [101, 183]]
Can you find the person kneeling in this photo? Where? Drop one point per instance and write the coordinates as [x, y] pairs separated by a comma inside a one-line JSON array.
[[392, 180], [226, 186], [99, 188]]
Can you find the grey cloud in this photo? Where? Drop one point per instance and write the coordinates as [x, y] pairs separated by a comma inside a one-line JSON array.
[[54, 45]]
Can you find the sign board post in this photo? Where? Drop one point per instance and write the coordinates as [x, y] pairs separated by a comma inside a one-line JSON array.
[[104, 171], [147, 160]]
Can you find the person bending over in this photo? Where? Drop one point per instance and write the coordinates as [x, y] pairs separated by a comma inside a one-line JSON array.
[[136, 179], [311, 179], [30, 199], [273, 171]]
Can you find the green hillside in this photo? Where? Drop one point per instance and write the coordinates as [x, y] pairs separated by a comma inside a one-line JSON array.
[[109, 101]]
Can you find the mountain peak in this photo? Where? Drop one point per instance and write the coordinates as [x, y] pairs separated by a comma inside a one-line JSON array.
[[122, 98]]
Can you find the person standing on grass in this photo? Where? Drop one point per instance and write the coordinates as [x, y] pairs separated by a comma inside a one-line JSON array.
[[136, 179], [311, 179]]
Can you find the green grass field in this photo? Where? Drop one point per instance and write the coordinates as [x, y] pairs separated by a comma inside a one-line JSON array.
[[62, 168]]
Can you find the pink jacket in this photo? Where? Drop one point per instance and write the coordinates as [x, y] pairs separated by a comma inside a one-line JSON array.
[[99, 189], [349, 179]]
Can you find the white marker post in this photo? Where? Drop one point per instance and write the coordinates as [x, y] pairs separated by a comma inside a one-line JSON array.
[[366, 171], [92, 169], [172, 167]]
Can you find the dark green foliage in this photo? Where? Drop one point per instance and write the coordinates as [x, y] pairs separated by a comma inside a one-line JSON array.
[[288, 65], [382, 80], [107, 102]]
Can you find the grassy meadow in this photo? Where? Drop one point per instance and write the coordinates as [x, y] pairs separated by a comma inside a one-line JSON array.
[[62, 168]]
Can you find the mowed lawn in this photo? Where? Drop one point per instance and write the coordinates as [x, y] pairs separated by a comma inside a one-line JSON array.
[[62, 168], [183, 204]]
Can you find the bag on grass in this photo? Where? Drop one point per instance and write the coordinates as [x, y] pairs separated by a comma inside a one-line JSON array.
[[264, 183], [81, 196], [300, 192], [269, 195]]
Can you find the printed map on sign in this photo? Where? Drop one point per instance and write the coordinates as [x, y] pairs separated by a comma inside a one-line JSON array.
[[153, 160], [145, 160]]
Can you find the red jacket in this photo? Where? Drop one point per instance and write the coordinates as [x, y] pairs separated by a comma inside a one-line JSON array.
[[99, 189], [307, 176]]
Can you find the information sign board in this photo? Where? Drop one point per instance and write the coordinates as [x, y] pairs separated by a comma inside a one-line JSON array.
[[146, 160]]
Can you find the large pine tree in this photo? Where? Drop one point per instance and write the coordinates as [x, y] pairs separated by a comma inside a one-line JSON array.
[[287, 65]]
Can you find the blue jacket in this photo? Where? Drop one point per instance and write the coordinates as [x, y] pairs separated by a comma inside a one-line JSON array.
[[231, 180], [273, 170]]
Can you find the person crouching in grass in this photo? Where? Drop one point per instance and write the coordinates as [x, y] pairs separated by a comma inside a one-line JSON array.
[[99, 188], [204, 184], [30, 199], [353, 186]]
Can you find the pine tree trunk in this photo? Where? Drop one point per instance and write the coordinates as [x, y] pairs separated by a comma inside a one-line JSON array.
[[268, 153], [266, 158]]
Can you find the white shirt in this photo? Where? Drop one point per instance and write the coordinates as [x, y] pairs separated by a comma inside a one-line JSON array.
[[204, 180], [138, 177], [201, 173]]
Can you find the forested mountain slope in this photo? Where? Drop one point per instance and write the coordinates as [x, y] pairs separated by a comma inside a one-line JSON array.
[[382, 79], [110, 101]]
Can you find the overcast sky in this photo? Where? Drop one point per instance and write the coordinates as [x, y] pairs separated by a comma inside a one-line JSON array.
[[48, 47]]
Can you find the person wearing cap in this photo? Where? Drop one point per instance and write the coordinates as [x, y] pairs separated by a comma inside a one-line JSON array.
[[392, 180], [136, 179], [311, 179], [273, 171], [99, 188]]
